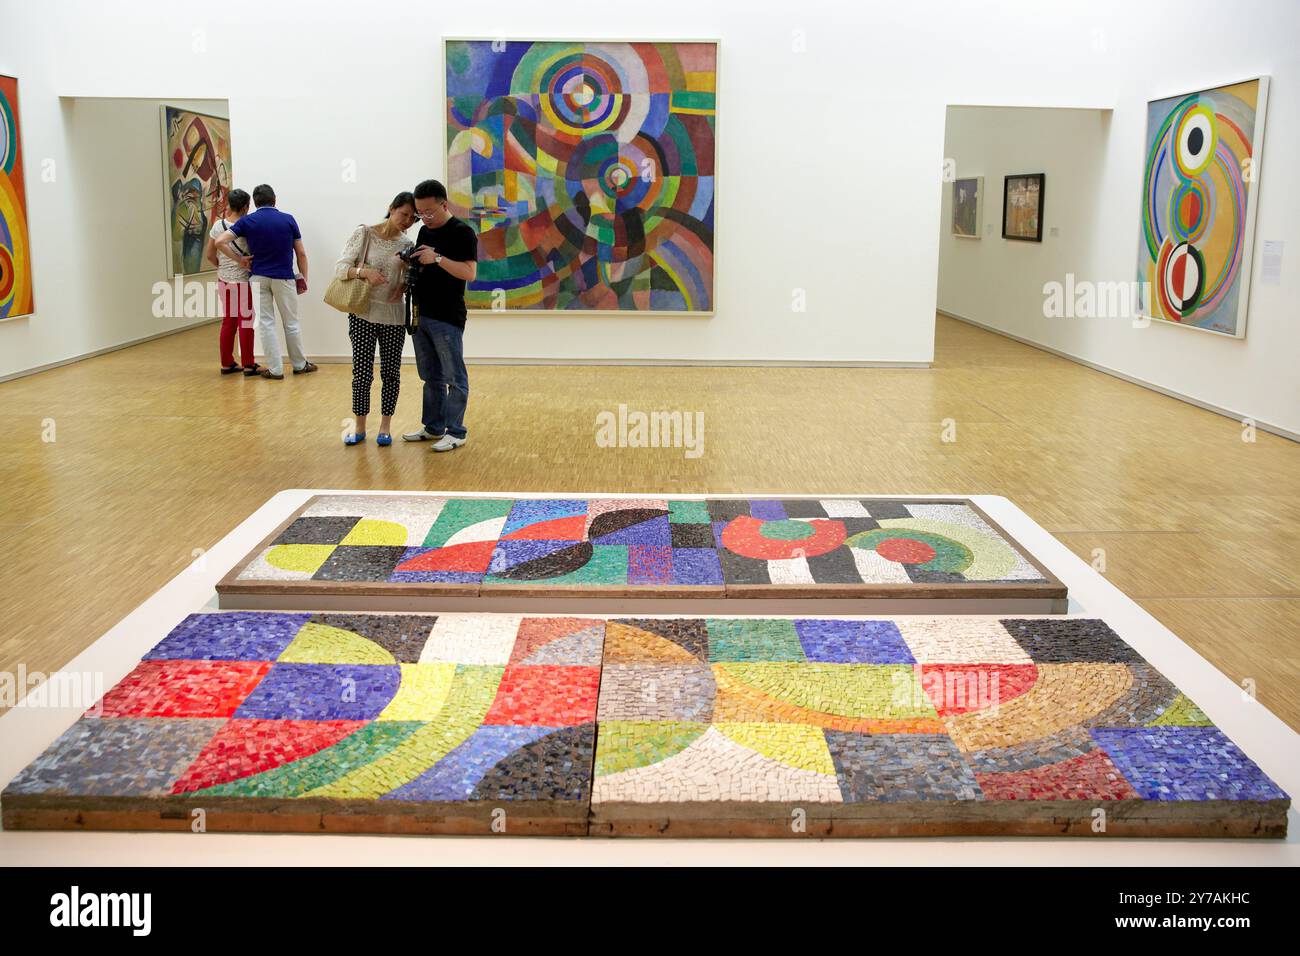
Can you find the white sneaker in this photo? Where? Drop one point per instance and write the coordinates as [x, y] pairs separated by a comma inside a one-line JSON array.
[[422, 435], [447, 443]]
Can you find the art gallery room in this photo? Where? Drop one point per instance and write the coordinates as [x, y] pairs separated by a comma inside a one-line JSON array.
[[883, 445]]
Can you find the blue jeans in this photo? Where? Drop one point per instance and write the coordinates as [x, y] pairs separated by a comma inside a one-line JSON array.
[[440, 359]]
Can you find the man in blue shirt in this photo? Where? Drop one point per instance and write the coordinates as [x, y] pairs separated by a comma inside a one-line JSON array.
[[273, 243]]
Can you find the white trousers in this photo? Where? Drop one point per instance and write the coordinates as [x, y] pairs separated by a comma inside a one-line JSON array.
[[270, 295]]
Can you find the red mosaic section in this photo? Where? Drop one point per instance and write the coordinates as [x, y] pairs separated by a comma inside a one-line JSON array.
[[473, 556], [963, 688], [545, 696], [743, 536], [905, 550], [178, 688], [573, 528], [1090, 776], [242, 748]]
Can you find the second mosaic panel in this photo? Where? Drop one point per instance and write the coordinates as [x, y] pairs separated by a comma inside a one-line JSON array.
[[433, 546]]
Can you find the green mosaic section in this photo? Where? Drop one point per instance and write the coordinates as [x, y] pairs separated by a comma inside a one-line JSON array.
[[688, 512], [625, 744], [357, 750], [949, 555], [459, 513], [753, 640], [1182, 713]]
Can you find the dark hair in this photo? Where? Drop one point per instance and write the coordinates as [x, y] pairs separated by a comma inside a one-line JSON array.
[[430, 189], [237, 200], [264, 195], [400, 200]]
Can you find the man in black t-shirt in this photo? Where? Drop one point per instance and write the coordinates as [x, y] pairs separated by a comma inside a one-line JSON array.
[[447, 249]]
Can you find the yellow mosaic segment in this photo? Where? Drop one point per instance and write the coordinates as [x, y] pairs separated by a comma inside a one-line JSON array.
[[376, 532], [298, 557], [795, 745], [843, 690], [322, 644], [423, 691]]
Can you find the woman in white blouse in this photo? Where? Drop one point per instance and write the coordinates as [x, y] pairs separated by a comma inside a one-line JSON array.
[[382, 322]]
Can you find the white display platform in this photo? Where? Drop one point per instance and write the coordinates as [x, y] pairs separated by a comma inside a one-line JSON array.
[[26, 732]]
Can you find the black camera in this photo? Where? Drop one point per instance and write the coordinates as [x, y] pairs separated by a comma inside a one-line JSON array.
[[411, 300]]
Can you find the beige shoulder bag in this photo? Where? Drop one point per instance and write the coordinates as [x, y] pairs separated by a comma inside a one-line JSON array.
[[351, 295]]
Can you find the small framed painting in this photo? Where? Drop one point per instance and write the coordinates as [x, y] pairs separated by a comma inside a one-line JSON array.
[[1022, 206], [968, 207]]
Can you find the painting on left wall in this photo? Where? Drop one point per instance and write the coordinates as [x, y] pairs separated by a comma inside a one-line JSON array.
[[196, 161], [15, 246]]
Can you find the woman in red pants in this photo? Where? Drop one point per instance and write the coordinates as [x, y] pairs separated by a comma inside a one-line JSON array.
[[235, 292]]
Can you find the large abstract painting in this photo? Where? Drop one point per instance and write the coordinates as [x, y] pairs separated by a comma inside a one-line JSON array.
[[15, 250], [1198, 206], [588, 171], [196, 160]]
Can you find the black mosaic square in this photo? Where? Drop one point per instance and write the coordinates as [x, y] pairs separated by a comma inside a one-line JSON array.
[[738, 569], [803, 508], [369, 562], [1070, 641], [834, 567], [692, 536], [329, 530], [854, 526], [724, 509], [887, 509]]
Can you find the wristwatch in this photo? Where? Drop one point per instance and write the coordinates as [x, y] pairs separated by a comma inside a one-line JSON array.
[[437, 258]]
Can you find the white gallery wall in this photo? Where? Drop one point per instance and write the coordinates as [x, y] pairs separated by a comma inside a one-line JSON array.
[[1090, 232], [831, 137]]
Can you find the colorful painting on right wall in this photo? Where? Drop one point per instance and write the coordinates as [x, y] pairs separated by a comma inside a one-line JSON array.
[[15, 254], [1199, 189]]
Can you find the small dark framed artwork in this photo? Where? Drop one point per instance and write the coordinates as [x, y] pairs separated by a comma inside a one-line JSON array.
[[1022, 206]]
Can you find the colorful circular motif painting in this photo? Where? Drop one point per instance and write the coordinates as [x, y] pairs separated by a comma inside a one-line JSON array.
[[587, 170], [15, 254], [1197, 206]]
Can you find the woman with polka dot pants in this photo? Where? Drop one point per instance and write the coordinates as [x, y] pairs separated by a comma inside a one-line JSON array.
[[382, 323]]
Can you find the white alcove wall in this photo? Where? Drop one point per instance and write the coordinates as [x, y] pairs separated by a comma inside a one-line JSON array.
[[999, 284]]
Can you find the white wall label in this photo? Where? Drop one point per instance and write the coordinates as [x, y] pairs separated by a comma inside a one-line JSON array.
[[1272, 272]]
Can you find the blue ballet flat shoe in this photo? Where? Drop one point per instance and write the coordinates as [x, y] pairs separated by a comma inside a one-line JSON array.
[[384, 439], [354, 439]]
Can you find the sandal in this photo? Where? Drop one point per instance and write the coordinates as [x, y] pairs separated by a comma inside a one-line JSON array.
[[309, 367], [231, 369], [254, 369], [267, 373], [356, 438]]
